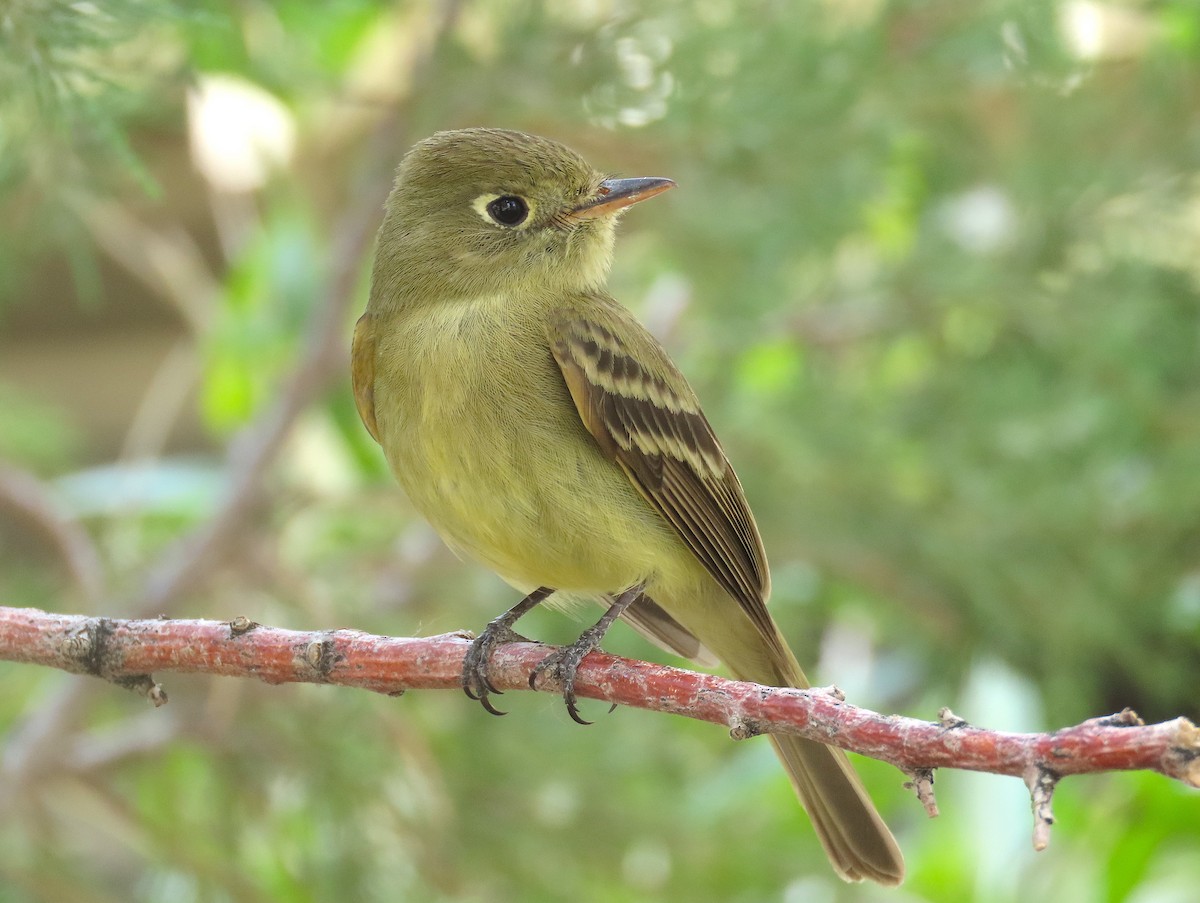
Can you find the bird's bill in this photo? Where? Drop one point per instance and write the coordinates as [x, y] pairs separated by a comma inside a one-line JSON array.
[[616, 194]]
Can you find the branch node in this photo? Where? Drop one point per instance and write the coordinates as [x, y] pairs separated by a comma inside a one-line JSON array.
[[745, 728], [241, 625], [1041, 782], [922, 783], [144, 685], [1127, 717], [1182, 759], [832, 690], [949, 721], [87, 645], [319, 658]]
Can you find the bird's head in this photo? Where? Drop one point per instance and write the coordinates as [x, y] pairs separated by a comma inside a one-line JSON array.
[[483, 211]]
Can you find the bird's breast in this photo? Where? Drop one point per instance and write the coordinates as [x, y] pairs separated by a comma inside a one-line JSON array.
[[481, 431]]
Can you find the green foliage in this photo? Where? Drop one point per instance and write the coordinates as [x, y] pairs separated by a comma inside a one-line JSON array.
[[270, 292], [932, 268], [32, 434], [72, 80]]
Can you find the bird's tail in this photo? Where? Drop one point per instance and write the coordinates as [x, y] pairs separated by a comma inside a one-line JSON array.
[[858, 843]]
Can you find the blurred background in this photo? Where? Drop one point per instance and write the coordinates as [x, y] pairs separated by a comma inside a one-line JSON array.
[[931, 266]]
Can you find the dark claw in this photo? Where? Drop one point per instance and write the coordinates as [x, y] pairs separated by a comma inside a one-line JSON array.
[[564, 665], [476, 683], [566, 661], [572, 709], [487, 704]]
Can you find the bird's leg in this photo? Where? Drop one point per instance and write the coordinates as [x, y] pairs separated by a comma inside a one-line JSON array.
[[566, 661], [498, 632]]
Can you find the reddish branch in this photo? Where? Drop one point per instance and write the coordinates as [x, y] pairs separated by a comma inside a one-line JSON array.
[[127, 652]]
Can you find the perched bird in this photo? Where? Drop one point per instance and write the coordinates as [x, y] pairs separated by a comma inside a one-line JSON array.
[[542, 430]]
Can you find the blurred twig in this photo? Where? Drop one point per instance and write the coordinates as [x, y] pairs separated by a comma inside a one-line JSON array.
[[253, 451], [167, 261], [27, 495], [255, 448], [164, 400], [127, 651]]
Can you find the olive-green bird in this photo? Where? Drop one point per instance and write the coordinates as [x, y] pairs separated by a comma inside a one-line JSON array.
[[543, 431]]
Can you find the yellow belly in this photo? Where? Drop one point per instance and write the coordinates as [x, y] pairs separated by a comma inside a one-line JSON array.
[[490, 449]]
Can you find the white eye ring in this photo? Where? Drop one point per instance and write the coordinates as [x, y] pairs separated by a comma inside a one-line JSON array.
[[508, 211]]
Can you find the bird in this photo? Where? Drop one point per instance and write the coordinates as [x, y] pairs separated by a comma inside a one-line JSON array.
[[543, 431]]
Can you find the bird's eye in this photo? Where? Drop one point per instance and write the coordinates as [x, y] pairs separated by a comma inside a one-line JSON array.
[[508, 210]]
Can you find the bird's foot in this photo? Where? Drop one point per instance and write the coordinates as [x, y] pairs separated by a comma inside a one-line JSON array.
[[563, 665], [476, 682]]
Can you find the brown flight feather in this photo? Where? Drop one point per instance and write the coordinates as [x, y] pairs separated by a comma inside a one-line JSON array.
[[662, 440]]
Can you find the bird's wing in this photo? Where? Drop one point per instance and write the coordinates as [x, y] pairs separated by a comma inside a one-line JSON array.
[[651, 620], [642, 413], [362, 372]]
